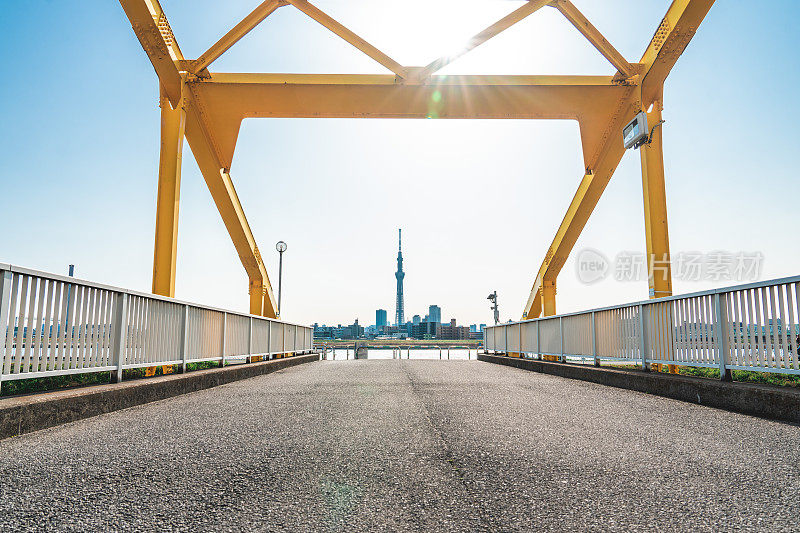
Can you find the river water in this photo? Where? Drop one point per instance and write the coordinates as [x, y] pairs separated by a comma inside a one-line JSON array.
[[340, 354]]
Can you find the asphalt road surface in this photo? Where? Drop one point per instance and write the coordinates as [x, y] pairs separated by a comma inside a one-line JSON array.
[[404, 445]]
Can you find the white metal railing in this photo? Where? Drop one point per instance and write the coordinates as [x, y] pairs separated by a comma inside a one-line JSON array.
[[747, 327], [54, 325]]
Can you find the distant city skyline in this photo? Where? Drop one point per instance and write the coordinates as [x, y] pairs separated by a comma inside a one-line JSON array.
[[434, 315]]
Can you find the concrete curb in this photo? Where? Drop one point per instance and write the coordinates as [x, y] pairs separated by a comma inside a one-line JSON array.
[[23, 414], [779, 403]]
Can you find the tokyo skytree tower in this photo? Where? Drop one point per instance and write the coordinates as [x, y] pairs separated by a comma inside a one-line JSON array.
[[399, 316]]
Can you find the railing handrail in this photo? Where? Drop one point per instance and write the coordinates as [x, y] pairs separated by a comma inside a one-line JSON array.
[[86, 283], [752, 326], [720, 290], [52, 324]]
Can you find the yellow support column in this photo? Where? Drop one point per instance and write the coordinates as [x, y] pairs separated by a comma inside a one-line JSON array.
[[173, 123], [655, 209], [548, 298], [549, 307], [256, 297], [655, 212]]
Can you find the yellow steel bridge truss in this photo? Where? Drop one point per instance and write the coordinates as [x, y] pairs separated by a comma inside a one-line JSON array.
[[207, 109]]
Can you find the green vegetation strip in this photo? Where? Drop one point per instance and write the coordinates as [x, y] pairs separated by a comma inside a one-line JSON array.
[[33, 385], [745, 376]]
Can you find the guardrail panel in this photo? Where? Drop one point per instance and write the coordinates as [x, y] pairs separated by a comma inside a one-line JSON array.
[[237, 335], [763, 329], [293, 333], [578, 335], [530, 337], [50, 325], [260, 336], [56, 325], [153, 331], [205, 333], [749, 327], [550, 336], [276, 337], [513, 338]]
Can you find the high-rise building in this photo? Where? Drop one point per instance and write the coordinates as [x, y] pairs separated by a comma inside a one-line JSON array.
[[380, 318], [473, 327], [416, 319], [400, 314], [481, 327], [426, 330], [452, 331], [435, 314]]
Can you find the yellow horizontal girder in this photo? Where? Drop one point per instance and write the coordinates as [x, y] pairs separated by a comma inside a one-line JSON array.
[[229, 98]]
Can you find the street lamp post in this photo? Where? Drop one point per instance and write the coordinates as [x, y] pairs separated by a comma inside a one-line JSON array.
[[281, 247]]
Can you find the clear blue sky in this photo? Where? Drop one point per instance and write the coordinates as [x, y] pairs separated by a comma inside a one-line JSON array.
[[479, 202]]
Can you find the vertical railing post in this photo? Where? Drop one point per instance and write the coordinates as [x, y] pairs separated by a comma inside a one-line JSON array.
[[250, 341], [224, 333], [519, 341], [295, 340], [561, 335], [594, 341], [269, 340], [184, 338], [644, 346], [505, 330], [5, 313], [120, 335], [721, 335]]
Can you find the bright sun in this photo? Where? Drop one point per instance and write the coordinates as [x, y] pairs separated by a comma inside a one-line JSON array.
[[416, 32]]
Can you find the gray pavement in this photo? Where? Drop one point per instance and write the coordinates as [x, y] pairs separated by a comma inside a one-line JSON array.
[[406, 446]]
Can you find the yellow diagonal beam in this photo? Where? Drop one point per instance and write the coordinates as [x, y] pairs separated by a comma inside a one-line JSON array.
[[151, 27], [542, 296], [670, 39], [498, 27], [594, 36], [668, 43], [345, 33], [252, 20]]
